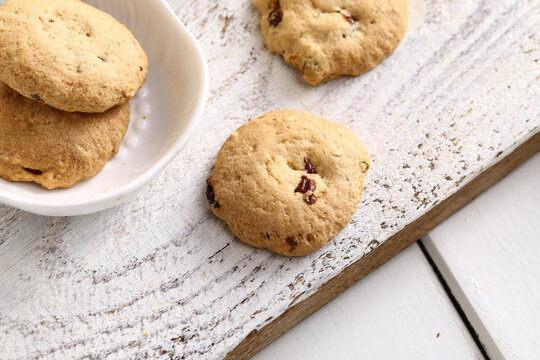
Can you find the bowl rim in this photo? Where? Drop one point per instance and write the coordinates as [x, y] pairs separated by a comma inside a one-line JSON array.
[[112, 198]]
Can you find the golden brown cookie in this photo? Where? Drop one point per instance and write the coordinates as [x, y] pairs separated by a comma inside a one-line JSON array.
[[53, 148], [326, 39], [69, 55], [288, 181]]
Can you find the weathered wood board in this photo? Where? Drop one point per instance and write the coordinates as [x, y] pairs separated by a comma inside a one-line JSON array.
[[505, 238], [453, 110]]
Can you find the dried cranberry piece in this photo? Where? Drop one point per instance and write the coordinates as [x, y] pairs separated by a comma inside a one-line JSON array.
[[275, 16], [210, 196], [349, 19], [36, 97], [312, 199], [33, 171], [306, 184], [292, 243], [309, 166]]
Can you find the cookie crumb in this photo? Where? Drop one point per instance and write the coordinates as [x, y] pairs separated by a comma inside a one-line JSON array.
[[373, 243]]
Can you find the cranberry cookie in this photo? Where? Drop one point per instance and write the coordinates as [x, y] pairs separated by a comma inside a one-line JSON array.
[[326, 39], [288, 181], [69, 55], [53, 148]]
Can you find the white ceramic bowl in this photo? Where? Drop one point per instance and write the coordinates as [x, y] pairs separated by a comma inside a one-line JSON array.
[[164, 114]]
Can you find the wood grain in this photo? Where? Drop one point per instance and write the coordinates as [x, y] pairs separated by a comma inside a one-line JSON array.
[[257, 340], [161, 277]]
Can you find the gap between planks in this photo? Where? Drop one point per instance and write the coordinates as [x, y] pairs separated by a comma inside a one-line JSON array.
[[257, 340], [470, 328], [491, 263]]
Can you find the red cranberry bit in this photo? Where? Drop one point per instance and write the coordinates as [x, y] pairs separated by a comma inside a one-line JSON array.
[[312, 199], [306, 184], [275, 17], [33, 171], [210, 196], [36, 97], [309, 166], [292, 243], [51, 20], [349, 19]]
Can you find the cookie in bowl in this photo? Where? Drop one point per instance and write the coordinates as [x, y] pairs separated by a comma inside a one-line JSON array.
[[69, 55], [53, 148]]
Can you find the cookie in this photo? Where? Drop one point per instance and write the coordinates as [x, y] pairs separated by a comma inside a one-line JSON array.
[[53, 148], [288, 181], [326, 39], [69, 55]]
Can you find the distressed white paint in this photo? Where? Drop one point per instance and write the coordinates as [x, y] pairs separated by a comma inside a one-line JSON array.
[[351, 325], [489, 254], [399, 311], [142, 279]]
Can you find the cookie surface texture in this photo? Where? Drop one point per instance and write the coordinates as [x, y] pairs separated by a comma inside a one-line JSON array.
[[69, 55], [53, 148], [326, 39], [288, 181]]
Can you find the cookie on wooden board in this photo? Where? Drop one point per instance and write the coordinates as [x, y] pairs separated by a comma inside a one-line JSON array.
[[69, 55], [53, 148], [326, 39], [288, 181]]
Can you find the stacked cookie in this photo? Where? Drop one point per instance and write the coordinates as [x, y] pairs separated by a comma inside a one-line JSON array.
[[67, 73]]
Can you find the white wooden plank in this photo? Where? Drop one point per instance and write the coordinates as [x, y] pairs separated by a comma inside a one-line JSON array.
[[399, 311], [489, 252], [162, 274]]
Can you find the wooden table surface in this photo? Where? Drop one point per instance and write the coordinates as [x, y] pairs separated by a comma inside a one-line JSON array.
[[452, 110]]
